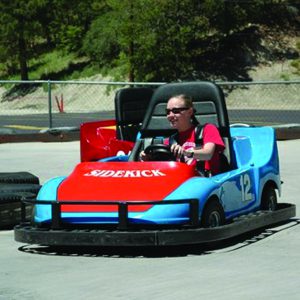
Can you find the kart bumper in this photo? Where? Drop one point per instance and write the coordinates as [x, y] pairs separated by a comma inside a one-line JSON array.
[[30, 234]]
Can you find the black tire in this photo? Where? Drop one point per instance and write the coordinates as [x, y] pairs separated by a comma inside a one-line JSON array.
[[10, 208], [14, 187], [268, 199], [18, 188], [213, 215], [10, 197], [19, 177], [10, 212]]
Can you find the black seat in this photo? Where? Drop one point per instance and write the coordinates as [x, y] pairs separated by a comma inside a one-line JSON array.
[[130, 108], [208, 100]]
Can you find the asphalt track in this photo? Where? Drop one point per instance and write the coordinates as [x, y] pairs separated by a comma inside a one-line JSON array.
[[262, 265], [11, 124]]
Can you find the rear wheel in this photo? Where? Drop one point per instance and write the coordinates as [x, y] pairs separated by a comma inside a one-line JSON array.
[[269, 199], [213, 215]]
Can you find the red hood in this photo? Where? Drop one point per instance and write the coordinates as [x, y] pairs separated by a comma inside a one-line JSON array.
[[122, 181]]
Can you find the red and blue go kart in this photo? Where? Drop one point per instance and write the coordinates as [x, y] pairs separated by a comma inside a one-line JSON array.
[[112, 199]]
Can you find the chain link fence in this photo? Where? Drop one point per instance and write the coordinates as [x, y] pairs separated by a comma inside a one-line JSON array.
[[68, 103]]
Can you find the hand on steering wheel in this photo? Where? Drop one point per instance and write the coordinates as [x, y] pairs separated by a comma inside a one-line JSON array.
[[177, 150]]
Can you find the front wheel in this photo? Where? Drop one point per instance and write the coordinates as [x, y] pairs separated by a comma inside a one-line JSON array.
[[268, 199], [213, 215]]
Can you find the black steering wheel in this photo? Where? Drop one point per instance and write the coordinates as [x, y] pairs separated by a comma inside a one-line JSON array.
[[160, 152]]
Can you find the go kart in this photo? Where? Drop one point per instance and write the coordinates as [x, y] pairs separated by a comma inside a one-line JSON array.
[[113, 199]]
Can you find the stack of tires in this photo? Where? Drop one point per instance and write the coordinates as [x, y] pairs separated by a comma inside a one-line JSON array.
[[13, 188]]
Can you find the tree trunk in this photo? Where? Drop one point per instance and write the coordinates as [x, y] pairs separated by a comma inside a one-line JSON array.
[[23, 56], [131, 45], [131, 68]]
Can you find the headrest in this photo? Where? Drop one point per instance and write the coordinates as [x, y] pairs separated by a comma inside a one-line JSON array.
[[131, 104], [208, 100]]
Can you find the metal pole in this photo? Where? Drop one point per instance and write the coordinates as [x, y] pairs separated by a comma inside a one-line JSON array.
[[49, 104]]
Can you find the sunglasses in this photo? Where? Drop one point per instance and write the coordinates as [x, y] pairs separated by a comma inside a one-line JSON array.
[[176, 110]]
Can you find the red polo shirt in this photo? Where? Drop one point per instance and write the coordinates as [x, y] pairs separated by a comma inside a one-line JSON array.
[[210, 135]]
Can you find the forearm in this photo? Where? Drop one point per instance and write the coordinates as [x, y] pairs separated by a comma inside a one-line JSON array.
[[202, 154]]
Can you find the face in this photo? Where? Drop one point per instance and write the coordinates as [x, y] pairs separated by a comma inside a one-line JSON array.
[[179, 119]]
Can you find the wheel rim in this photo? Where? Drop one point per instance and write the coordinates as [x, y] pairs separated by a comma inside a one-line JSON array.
[[214, 219], [272, 203]]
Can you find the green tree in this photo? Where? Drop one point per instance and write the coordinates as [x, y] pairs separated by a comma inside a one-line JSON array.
[[70, 20], [164, 40], [111, 40], [29, 27], [18, 32], [148, 39]]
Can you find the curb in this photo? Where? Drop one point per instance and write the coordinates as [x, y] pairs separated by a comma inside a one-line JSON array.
[[52, 135], [287, 132]]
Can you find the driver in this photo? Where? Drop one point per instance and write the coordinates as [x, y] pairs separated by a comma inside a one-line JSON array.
[[184, 146]]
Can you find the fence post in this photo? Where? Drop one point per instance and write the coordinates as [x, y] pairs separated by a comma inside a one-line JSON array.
[[49, 104]]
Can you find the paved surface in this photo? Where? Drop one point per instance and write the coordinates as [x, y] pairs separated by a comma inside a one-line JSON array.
[[16, 124], [260, 266], [33, 123]]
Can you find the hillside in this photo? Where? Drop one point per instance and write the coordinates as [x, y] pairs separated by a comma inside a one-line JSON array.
[[239, 56], [254, 54]]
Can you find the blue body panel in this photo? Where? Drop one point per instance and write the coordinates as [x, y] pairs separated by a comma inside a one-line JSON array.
[[239, 190], [47, 192]]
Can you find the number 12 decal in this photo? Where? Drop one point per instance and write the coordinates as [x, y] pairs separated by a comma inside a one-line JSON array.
[[246, 187]]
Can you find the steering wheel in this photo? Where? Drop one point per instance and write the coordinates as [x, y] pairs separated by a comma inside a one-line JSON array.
[[160, 152]]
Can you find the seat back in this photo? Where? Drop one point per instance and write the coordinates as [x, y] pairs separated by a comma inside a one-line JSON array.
[[208, 100], [130, 108]]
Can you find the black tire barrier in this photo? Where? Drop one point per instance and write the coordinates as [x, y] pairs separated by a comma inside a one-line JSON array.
[[13, 188], [19, 187], [19, 177]]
